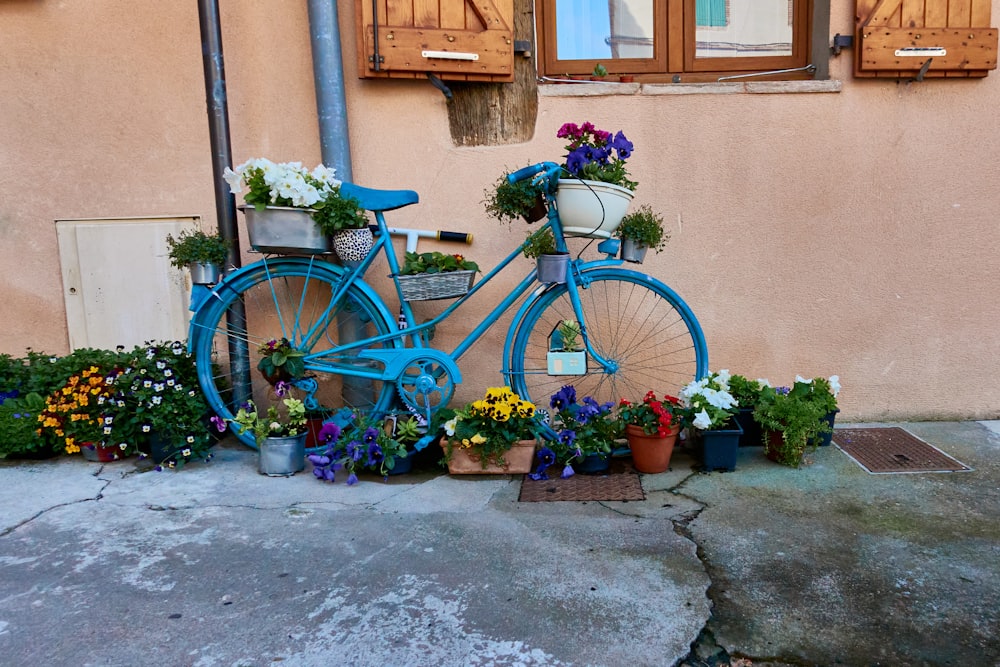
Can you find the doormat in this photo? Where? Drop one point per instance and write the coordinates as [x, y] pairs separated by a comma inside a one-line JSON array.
[[890, 449], [621, 482]]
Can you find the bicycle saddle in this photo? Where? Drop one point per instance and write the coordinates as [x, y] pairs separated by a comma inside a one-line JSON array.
[[379, 200]]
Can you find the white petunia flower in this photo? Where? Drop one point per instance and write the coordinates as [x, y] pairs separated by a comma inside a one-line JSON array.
[[799, 378], [702, 420], [835, 384]]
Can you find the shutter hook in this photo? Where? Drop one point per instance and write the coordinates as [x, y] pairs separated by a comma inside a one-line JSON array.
[[439, 84]]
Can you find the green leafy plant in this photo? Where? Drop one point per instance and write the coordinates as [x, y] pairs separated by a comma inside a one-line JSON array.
[[569, 332], [288, 421], [654, 416], [823, 391], [280, 360], [645, 228], [600, 71], [796, 415], [363, 443], [508, 201], [707, 402], [435, 262], [541, 242], [335, 212], [19, 423], [489, 426], [746, 391], [196, 246]]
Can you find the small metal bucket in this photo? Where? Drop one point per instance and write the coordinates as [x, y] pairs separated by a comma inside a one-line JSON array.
[[282, 457]]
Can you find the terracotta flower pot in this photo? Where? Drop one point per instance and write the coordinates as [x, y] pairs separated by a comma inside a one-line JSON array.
[[650, 453], [465, 461]]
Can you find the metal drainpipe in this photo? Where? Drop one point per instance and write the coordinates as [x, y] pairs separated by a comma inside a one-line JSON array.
[[331, 107], [225, 207]]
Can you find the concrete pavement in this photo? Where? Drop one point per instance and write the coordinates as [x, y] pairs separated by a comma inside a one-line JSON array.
[[217, 565]]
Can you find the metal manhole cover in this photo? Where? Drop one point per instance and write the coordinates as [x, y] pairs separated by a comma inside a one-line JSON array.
[[890, 449]]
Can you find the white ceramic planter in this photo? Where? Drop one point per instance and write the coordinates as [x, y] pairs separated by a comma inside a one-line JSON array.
[[591, 208]]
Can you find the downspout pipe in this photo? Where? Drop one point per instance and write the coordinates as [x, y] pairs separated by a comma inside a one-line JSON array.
[[225, 205], [331, 101], [218, 123], [335, 146]]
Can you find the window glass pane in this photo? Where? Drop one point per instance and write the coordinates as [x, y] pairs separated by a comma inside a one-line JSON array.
[[604, 29], [734, 28]]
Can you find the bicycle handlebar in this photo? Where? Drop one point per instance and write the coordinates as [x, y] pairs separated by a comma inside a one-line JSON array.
[[551, 170]]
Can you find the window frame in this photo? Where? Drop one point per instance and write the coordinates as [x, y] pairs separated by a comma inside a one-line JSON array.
[[674, 48]]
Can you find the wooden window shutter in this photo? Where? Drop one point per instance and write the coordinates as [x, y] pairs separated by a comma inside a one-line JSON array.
[[917, 38], [466, 40]]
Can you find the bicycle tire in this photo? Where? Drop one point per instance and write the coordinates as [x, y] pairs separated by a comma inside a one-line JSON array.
[[632, 320], [287, 298]]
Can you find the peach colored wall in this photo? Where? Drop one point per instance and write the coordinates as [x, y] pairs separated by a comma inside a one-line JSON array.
[[850, 233]]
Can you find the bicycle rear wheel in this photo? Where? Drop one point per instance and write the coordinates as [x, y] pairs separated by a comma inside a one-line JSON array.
[[639, 326], [288, 298]]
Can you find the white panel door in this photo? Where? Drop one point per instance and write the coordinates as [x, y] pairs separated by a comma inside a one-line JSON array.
[[118, 284]]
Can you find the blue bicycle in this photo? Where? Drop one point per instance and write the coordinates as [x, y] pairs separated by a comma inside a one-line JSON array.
[[637, 333]]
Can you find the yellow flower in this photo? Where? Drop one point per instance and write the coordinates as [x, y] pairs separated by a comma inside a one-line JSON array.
[[478, 439]]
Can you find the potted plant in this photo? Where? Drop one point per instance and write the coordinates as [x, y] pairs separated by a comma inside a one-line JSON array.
[[280, 435], [343, 219], [19, 424], [158, 408], [824, 392], [640, 231], [585, 432], [595, 194], [747, 394], [551, 265], [495, 434], [363, 443], [508, 201], [710, 409], [434, 275], [600, 73], [280, 361], [203, 254], [280, 201], [565, 355], [74, 414], [651, 428], [792, 420]]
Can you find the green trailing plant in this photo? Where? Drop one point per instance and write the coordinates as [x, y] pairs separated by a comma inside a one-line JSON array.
[[19, 423], [796, 415], [284, 422], [197, 247], [508, 201], [541, 242], [435, 262], [745, 391], [645, 227]]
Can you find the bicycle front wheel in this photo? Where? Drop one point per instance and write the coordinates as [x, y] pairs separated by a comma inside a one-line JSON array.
[[645, 336], [288, 298]]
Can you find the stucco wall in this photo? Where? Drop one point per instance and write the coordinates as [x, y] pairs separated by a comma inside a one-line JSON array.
[[848, 233]]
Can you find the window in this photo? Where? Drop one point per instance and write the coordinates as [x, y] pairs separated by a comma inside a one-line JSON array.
[[675, 40]]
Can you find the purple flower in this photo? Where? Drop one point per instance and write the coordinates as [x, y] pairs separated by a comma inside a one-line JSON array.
[[568, 471], [352, 479], [546, 457], [329, 433], [281, 388], [567, 437], [622, 145], [355, 450], [319, 460], [218, 422], [375, 454], [563, 398], [371, 435]]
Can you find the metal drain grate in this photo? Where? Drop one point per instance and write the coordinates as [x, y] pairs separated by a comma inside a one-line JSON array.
[[622, 483], [890, 449]]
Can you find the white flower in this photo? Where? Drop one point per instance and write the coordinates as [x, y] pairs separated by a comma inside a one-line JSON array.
[[722, 377], [275, 426], [449, 426], [190, 438], [764, 382], [835, 385], [157, 399], [702, 420], [147, 383], [233, 178], [799, 378]]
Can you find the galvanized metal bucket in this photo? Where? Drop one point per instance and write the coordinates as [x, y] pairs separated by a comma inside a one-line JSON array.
[[281, 457]]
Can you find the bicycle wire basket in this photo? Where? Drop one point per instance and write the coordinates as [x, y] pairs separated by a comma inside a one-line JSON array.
[[431, 286]]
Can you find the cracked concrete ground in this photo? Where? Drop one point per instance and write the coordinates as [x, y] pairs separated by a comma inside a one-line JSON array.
[[217, 565]]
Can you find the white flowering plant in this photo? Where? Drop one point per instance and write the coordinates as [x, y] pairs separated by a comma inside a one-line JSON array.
[[708, 402], [290, 184], [275, 423]]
